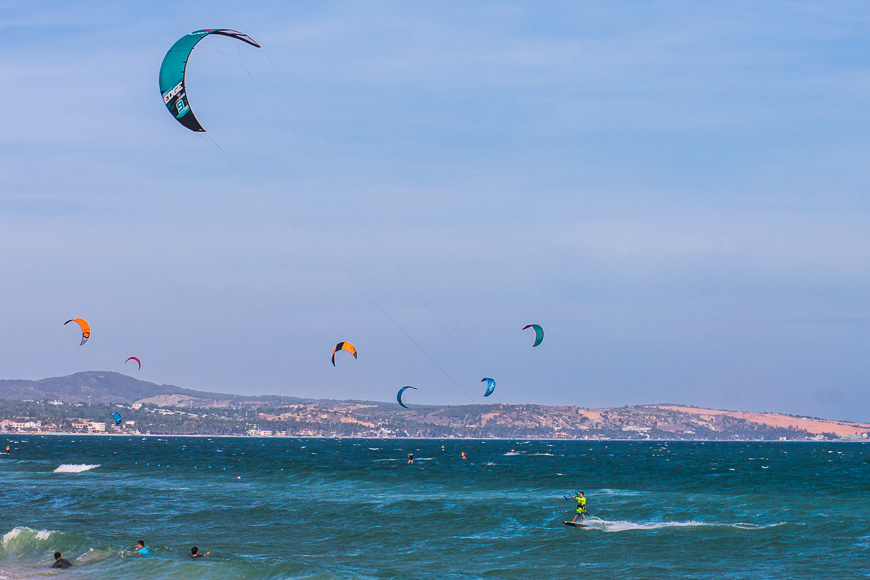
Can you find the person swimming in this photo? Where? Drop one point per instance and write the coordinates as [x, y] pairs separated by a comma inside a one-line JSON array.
[[141, 549], [194, 553], [60, 562]]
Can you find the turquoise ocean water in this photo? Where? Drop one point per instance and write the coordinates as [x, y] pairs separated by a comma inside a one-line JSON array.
[[321, 509]]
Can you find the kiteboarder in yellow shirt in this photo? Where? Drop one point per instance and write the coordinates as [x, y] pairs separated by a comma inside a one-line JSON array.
[[580, 498]]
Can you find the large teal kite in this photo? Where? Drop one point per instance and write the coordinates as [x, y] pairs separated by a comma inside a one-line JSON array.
[[172, 73]]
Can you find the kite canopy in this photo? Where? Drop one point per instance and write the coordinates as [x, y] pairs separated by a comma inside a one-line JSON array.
[[172, 85], [343, 346], [117, 417], [539, 333], [86, 328], [399, 395], [490, 386], [139, 362]]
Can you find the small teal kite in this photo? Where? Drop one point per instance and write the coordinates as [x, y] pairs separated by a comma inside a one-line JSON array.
[[539, 333], [399, 395]]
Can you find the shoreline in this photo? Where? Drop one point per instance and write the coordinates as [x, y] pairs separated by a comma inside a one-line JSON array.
[[353, 437]]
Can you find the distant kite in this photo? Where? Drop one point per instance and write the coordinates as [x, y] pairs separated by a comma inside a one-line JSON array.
[[490, 386], [139, 362], [399, 395], [86, 328], [343, 346], [539, 333], [117, 417], [172, 82]]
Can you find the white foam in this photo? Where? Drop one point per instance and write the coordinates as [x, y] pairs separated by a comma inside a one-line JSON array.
[[73, 468], [624, 526], [744, 526]]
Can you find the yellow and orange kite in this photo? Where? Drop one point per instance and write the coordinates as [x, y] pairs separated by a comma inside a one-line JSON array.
[[343, 346], [86, 328]]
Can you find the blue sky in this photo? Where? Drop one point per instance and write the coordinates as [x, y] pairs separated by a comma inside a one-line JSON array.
[[676, 191]]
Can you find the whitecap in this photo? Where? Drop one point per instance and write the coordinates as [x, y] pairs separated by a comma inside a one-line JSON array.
[[72, 468], [11, 535]]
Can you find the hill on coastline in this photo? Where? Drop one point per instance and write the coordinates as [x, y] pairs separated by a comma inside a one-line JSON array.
[[99, 387]]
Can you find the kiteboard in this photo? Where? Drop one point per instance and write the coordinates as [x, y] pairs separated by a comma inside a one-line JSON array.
[[575, 524]]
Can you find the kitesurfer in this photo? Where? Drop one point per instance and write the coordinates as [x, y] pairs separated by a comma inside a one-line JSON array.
[[194, 553], [580, 498], [8, 450], [410, 458], [60, 562]]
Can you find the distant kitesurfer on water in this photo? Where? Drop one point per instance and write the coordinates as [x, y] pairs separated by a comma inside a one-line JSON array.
[[194, 553], [410, 458], [580, 498], [8, 450], [60, 562], [463, 455]]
